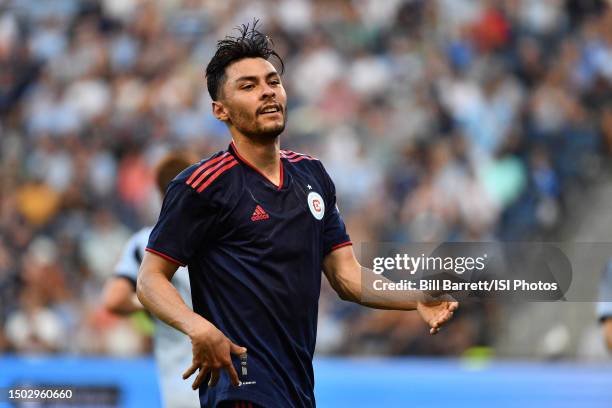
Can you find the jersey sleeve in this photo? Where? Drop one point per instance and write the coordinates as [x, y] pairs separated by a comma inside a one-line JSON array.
[[604, 306], [129, 262], [185, 220], [334, 234]]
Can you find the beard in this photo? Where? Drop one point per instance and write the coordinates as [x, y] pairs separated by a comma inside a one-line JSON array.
[[251, 125]]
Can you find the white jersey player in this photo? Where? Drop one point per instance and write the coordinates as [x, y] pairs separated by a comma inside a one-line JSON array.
[[172, 348], [604, 306]]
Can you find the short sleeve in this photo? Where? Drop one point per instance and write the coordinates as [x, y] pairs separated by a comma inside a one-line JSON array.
[[604, 306], [131, 257], [186, 219], [334, 234]]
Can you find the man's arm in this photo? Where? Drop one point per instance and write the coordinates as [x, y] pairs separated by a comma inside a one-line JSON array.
[[344, 273], [604, 306], [211, 348], [607, 330], [119, 296], [160, 297]]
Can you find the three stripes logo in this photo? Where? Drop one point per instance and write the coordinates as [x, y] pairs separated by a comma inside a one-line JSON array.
[[209, 171], [295, 157], [259, 214]]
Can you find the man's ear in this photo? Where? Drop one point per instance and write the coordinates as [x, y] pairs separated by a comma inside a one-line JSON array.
[[219, 111]]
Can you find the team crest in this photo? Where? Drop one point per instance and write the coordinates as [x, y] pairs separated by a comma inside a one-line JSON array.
[[316, 205]]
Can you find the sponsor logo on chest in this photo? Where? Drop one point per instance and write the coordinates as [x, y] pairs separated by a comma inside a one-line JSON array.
[[259, 214]]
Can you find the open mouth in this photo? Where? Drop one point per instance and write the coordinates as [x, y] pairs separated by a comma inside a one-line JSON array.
[[270, 110]]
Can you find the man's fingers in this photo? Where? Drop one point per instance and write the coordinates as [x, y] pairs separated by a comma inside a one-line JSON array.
[[190, 371], [198, 381], [438, 322], [445, 317], [235, 349], [214, 378], [452, 306], [233, 374]]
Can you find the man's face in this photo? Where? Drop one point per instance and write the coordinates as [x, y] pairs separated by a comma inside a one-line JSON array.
[[253, 99]]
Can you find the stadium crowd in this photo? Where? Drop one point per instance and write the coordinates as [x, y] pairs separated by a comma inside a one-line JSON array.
[[438, 120]]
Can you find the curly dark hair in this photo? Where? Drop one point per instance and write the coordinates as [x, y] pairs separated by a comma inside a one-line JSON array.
[[251, 43]]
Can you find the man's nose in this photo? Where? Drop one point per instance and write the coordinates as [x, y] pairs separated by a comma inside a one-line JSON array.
[[267, 92]]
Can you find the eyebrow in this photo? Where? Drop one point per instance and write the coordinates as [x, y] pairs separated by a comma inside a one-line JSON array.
[[254, 78]]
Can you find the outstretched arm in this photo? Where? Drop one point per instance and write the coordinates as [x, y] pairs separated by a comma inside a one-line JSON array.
[[348, 279], [211, 348]]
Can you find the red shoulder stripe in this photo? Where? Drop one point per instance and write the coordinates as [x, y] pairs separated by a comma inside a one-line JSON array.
[[299, 158], [295, 157], [204, 166], [217, 174], [288, 154], [212, 170]]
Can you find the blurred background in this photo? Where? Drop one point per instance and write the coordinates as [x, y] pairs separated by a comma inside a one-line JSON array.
[[466, 120]]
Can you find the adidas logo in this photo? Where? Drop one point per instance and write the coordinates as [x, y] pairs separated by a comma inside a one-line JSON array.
[[259, 214]]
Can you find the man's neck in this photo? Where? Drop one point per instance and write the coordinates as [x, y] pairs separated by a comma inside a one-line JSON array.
[[263, 155]]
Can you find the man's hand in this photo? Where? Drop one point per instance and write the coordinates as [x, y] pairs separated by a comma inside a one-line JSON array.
[[212, 352], [437, 313]]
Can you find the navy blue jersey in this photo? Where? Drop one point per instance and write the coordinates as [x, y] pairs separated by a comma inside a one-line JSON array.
[[255, 253]]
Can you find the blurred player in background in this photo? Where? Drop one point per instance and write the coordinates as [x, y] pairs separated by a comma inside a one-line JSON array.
[[604, 307], [171, 348], [256, 225]]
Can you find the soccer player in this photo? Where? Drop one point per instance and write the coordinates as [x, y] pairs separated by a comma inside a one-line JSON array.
[[604, 306], [172, 349], [256, 225]]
